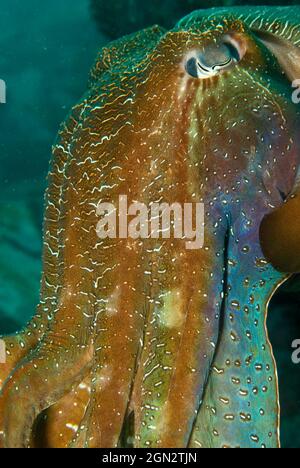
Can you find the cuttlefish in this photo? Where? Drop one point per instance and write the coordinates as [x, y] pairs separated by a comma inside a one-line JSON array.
[[143, 342]]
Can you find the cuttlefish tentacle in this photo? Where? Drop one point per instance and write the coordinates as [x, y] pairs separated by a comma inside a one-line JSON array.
[[114, 303], [48, 363], [115, 356], [176, 356], [240, 407], [17, 347], [170, 307], [101, 287], [58, 364]]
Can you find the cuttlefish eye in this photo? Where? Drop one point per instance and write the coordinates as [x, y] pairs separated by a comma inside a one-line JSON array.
[[214, 58]]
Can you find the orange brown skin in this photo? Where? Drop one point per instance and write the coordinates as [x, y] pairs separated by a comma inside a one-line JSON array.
[[280, 236], [130, 326]]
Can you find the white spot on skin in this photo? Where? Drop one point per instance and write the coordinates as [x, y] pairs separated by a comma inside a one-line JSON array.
[[112, 307], [73, 427], [172, 314]]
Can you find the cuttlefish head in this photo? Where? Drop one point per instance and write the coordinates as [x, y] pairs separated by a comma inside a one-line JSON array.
[[221, 83]]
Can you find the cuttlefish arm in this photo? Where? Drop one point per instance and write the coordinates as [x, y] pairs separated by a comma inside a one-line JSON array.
[[73, 321], [34, 367], [241, 402], [18, 346], [162, 378], [158, 361]]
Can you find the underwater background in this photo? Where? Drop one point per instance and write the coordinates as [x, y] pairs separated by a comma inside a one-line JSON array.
[[47, 49]]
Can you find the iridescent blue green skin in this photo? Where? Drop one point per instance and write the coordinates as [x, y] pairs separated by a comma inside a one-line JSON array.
[[241, 405], [149, 332]]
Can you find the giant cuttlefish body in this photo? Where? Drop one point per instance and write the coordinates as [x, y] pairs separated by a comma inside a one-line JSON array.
[[143, 342]]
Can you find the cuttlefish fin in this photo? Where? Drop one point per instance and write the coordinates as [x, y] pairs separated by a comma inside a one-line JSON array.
[[129, 49]]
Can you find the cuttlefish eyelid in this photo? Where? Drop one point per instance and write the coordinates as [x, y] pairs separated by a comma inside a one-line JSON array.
[[237, 47]]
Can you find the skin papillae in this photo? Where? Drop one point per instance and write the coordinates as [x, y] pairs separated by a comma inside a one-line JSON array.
[[144, 343]]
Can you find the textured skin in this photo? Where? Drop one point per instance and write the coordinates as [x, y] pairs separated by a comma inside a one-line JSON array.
[[147, 331]]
